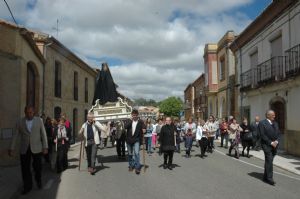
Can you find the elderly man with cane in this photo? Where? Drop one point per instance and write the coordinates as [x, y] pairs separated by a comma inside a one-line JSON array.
[[89, 132]]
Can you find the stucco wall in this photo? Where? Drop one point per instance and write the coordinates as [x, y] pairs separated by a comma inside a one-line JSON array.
[[67, 102], [13, 82]]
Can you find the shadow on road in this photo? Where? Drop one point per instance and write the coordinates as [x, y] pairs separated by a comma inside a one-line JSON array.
[[73, 160], [110, 159], [256, 175], [72, 166], [99, 168], [173, 165]]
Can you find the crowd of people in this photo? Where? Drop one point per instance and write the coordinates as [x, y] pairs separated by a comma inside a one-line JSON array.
[[51, 138]]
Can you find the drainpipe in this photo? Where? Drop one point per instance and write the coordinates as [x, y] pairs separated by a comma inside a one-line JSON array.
[[241, 95], [44, 68], [228, 82]]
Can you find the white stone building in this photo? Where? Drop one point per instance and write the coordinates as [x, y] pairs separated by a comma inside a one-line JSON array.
[[268, 67]]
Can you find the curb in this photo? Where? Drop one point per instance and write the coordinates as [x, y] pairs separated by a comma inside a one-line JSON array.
[[278, 165]]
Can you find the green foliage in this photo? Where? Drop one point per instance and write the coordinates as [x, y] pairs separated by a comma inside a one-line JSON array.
[[171, 106], [145, 102]]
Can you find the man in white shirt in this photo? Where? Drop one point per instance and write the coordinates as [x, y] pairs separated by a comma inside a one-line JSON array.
[[135, 130]]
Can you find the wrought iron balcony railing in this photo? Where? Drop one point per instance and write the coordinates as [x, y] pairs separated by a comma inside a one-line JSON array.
[[277, 68], [271, 70], [292, 63]]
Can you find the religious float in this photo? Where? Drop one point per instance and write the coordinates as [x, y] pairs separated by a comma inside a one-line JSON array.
[[107, 103], [111, 111]]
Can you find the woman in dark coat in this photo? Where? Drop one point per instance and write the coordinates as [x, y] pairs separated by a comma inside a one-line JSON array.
[[168, 143], [246, 136]]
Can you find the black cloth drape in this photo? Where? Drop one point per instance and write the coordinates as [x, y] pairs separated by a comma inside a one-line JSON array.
[[105, 89]]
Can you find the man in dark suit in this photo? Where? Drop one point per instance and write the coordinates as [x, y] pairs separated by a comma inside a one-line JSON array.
[[269, 133], [33, 143], [134, 138], [255, 133]]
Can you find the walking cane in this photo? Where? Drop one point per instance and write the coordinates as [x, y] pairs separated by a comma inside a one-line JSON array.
[[80, 155], [144, 153]]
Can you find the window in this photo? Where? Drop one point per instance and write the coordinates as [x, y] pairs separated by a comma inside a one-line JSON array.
[[76, 86], [254, 59], [246, 112], [86, 90], [222, 69], [57, 80], [276, 47], [57, 112], [223, 108], [30, 87], [254, 63], [85, 115], [217, 108], [75, 124], [206, 74]]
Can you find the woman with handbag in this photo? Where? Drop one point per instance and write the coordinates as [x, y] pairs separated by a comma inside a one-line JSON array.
[[246, 136], [211, 133], [62, 137], [190, 131], [234, 137], [224, 132]]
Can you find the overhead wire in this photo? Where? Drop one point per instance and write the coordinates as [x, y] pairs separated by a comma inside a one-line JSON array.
[[10, 12]]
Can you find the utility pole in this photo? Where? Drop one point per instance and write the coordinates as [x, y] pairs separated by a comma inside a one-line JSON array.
[[56, 28]]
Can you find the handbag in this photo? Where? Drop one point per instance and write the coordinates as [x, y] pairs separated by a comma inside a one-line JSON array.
[[248, 136]]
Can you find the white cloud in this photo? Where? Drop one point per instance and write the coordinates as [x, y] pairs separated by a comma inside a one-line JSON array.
[[162, 40]]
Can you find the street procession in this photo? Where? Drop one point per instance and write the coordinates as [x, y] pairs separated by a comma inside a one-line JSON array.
[[149, 99]]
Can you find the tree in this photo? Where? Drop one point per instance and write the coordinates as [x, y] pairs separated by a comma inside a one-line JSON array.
[[144, 102], [171, 106]]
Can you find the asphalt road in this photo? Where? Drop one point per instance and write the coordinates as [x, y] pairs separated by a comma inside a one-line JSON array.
[[216, 176]]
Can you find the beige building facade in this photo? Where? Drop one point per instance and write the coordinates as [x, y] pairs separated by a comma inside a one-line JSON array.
[[220, 77], [38, 70], [189, 97], [70, 82], [226, 76], [21, 74], [211, 77]]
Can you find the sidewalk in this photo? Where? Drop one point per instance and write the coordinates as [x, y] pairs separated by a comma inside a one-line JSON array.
[[11, 180], [282, 160]]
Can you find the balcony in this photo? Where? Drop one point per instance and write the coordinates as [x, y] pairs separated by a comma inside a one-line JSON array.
[[246, 79], [271, 70], [292, 61], [276, 69]]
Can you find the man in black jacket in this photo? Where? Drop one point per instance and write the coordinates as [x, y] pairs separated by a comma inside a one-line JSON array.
[[255, 133], [269, 133], [134, 137], [167, 142]]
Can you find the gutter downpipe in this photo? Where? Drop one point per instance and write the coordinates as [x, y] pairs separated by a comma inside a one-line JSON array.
[[44, 66], [241, 94], [228, 101]]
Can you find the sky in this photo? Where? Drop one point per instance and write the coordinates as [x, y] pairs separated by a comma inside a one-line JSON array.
[[154, 47]]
